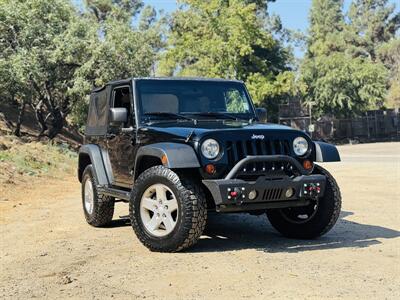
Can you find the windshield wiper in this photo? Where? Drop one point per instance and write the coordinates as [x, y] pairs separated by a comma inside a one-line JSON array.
[[215, 114], [168, 114]]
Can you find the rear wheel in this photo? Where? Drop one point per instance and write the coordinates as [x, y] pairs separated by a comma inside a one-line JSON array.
[[168, 213], [98, 209], [310, 221]]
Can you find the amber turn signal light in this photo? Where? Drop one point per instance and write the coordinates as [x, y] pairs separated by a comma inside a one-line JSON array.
[[164, 160], [308, 165], [210, 169]]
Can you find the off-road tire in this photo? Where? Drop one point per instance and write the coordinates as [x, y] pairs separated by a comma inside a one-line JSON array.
[[323, 220], [192, 210], [103, 206]]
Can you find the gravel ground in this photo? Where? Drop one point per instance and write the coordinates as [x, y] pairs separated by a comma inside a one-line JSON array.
[[48, 251]]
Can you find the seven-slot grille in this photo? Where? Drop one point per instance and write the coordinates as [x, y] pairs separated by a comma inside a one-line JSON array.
[[237, 150]]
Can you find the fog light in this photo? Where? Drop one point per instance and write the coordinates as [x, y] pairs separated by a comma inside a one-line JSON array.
[[252, 194], [289, 193]]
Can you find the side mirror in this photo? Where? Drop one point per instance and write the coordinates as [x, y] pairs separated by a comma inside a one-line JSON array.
[[118, 115], [261, 114]]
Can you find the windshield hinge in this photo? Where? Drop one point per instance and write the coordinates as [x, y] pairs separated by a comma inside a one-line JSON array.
[[189, 136]]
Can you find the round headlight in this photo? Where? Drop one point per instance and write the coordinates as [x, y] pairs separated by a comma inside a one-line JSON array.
[[210, 148], [300, 146]]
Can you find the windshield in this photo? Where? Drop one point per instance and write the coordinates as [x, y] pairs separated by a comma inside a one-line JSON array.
[[183, 99]]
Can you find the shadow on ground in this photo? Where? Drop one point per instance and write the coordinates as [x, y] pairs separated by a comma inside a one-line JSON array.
[[226, 232]]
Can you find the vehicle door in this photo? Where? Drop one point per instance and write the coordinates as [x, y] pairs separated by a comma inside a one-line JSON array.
[[121, 138]]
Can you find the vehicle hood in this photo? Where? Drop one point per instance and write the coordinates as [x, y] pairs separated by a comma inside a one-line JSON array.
[[188, 130]]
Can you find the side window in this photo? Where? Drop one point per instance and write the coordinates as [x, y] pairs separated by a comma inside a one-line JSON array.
[[122, 98], [236, 102]]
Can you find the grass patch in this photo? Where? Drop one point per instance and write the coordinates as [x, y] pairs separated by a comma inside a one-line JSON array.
[[34, 159]]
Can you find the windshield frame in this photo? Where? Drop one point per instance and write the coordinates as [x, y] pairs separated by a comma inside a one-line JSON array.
[[141, 120]]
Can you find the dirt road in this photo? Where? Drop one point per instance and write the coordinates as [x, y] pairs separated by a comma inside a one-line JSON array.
[[48, 251]]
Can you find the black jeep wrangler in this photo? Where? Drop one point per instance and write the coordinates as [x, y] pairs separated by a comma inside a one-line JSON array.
[[178, 148]]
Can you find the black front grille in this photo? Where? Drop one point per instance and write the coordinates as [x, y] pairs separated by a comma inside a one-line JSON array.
[[237, 150]]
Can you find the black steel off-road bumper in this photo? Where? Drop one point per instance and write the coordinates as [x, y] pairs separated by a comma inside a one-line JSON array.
[[232, 194]]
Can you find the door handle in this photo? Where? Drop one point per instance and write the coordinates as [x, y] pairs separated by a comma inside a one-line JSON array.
[[127, 130]]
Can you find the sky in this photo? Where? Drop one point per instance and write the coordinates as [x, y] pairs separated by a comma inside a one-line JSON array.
[[293, 13]]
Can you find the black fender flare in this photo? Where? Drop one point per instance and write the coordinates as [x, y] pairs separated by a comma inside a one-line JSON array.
[[178, 156], [325, 152], [100, 162]]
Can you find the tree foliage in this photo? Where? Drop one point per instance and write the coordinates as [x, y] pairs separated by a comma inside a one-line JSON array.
[[119, 50], [341, 70], [52, 56], [372, 23], [340, 86], [38, 59], [228, 39], [326, 27], [389, 54], [372, 34], [121, 10]]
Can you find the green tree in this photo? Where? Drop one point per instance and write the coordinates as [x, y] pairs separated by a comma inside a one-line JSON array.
[[122, 10], [42, 46], [122, 49], [228, 39], [338, 82], [326, 27], [52, 55], [342, 87], [372, 23], [372, 34], [389, 54]]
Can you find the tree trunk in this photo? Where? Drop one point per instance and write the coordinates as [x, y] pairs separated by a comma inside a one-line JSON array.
[[20, 119], [57, 124], [40, 119]]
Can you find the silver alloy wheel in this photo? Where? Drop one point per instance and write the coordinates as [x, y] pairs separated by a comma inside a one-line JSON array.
[[89, 196], [159, 210]]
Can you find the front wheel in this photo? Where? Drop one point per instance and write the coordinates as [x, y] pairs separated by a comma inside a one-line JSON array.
[[168, 213], [310, 221]]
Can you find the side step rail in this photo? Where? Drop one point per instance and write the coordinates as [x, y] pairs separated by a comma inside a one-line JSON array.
[[113, 192]]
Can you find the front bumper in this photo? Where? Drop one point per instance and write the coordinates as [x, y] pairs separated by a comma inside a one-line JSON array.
[[266, 192]]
